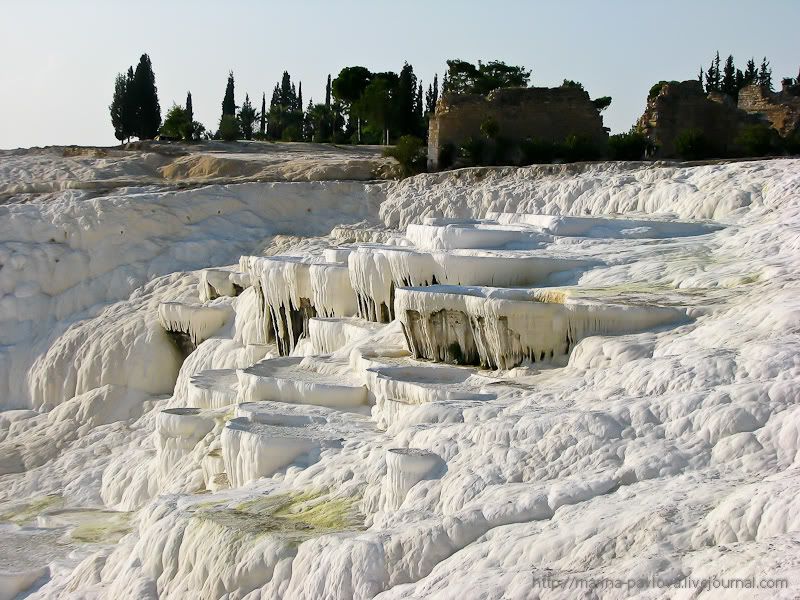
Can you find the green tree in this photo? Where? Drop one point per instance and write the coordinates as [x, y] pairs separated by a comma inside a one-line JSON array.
[[145, 95], [419, 112], [129, 106], [410, 153], [713, 75], [229, 129], [751, 72], [247, 117], [228, 101], [602, 103], [189, 133], [176, 123], [728, 82], [262, 128], [633, 145], [432, 95], [764, 78], [348, 88], [285, 121], [328, 92], [377, 102], [740, 82], [189, 107], [465, 78], [569, 83], [405, 118], [117, 107]]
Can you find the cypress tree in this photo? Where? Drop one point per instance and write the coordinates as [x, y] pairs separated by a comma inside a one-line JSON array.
[[117, 107], [228, 102], [247, 116], [189, 133], [728, 85], [406, 94], [263, 126], [328, 92], [740, 81], [765, 75], [713, 76], [148, 110], [189, 110], [287, 93], [300, 97], [750, 73], [129, 106], [432, 95]]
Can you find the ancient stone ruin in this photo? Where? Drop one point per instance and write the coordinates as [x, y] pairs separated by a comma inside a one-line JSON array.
[[549, 114], [684, 105], [781, 109]]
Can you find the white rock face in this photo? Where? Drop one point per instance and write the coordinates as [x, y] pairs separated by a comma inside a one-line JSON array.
[[630, 410], [502, 328]]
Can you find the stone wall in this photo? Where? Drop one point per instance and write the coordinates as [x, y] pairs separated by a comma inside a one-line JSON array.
[[781, 109], [685, 105], [544, 113]]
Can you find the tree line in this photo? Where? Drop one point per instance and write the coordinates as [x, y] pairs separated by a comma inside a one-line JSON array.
[[730, 80], [360, 106]]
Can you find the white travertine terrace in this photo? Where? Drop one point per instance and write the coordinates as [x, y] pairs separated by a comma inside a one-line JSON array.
[[295, 380], [630, 406], [375, 271], [501, 328], [214, 388], [196, 321], [449, 236], [406, 467], [617, 227], [217, 282]]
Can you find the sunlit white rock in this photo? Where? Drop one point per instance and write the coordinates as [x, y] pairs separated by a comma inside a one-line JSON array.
[[195, 322], [474, 235], [329, 335], [214, 388], [405, 467], [500, 328], [296, 381]]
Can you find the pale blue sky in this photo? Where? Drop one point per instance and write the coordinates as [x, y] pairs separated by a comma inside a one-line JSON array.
[[59, 57]]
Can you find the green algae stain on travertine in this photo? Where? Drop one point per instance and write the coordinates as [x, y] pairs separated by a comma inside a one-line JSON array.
[[106, 527], [295, 517], [27, 511]]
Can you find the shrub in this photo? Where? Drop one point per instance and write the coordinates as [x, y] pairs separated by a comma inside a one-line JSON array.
[[792, 143], [472, 151], [228, 128], [291, 133], [656, 89], [447, 156], [501, 151], [490, 128], [578, 148], [756, 140], [537, 151], [629, 146], [691, 144], [176, 123], [409, 151]]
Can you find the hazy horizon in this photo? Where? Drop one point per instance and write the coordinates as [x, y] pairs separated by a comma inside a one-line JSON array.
[[62, 58]]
